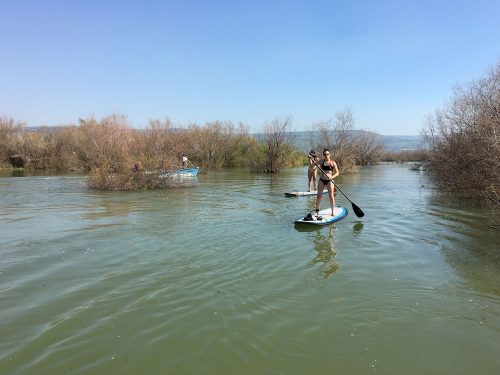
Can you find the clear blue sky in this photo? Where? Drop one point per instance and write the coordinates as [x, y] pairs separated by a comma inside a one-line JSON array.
[[391, 62]]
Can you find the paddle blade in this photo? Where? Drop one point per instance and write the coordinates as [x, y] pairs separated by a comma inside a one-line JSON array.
[[357, 210]]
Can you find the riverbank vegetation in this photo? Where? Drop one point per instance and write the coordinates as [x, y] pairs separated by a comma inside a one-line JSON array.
[[464, 140], [118, 157]]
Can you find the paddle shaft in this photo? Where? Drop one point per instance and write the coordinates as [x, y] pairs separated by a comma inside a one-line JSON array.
[[357, 210]]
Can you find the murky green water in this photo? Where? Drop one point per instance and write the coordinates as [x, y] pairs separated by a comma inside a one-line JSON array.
[[213, 278]]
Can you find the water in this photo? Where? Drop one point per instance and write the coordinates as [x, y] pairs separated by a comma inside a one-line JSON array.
[[215, 278]]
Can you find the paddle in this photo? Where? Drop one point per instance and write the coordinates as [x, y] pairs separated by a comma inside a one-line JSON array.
[[356, 209]]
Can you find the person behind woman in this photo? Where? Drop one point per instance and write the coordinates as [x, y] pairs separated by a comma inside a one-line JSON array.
[[312, 170], [329, 171]]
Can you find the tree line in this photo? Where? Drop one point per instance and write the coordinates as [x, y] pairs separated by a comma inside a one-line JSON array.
[[112, 152]]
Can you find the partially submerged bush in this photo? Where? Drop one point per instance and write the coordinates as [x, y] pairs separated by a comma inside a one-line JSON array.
[[129, 180], [464, 140], [10, 138], [67, 149], [106, 144], [121, 158], [159, 146]]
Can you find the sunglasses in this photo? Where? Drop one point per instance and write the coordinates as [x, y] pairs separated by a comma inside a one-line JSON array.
[[326, 153]]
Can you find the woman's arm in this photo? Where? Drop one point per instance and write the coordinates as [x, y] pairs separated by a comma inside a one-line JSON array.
[[336, 169]]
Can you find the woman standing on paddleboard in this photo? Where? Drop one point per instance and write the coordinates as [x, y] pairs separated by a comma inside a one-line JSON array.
[[312, 172], [329, 171]]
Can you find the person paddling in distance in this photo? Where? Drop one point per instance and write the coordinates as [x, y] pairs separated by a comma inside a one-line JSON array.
[[329, 171], [312, 170]]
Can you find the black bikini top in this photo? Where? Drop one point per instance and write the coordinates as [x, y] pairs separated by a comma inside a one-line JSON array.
[[326, 167]]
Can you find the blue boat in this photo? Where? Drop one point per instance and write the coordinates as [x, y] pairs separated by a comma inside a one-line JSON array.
[[188, 172], [184, 172]]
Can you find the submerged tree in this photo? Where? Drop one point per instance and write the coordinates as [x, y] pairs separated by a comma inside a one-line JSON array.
[[278, 144]]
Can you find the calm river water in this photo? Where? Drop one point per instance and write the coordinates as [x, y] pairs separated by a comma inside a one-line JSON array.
[[214, 278]]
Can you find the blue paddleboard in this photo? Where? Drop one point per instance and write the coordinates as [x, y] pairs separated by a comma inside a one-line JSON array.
[[325, 216]]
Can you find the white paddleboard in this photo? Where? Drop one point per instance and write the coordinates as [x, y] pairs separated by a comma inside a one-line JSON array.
[[297, 193], [325, 216]]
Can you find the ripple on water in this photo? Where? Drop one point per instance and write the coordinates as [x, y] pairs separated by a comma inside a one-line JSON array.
[[215, 278]]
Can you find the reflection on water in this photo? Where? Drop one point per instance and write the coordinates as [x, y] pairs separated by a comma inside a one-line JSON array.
[[322, 238], [357, 227], [113, 205], [466, 240], [325, 257], [18, 173]]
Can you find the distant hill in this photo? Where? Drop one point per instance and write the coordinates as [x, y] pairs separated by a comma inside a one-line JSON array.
[[302, 139], [391, 142], [43, 128], [402, 142]]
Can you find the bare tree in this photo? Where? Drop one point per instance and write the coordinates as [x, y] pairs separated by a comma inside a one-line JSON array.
[[338, 137], [278, 144], [368, 148]]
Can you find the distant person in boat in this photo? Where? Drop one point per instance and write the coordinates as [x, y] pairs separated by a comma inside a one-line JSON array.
[[328, 172], [185, 160], [312, 170]]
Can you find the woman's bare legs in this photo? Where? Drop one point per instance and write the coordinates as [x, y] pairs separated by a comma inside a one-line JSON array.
[[321, 187], [331, 195]]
